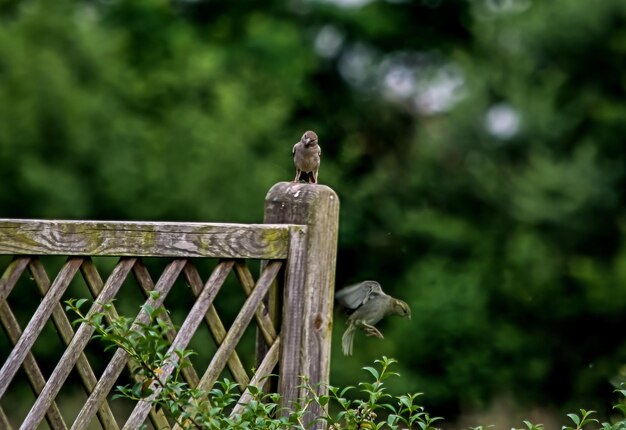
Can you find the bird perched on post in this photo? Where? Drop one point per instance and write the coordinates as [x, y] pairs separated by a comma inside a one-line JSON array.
[[306, 157], [370, 305]]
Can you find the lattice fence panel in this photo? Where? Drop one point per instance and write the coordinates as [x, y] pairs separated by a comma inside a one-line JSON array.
[[46, 384]]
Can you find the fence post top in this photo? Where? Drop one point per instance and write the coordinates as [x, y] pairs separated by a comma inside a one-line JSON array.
[[303, 191]]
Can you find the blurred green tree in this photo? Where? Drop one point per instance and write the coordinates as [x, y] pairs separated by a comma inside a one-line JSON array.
[[502, 218]]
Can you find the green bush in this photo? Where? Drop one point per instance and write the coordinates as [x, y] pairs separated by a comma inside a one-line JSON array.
[[365, 406]]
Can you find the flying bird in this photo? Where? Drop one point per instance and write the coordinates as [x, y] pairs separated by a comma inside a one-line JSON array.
[[306, 157], [370, 304]]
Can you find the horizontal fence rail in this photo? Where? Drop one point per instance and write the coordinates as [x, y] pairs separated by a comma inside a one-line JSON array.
[[290, 303], [143, 239]]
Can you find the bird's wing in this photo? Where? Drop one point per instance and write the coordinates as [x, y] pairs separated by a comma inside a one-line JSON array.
[[293, 151], [357, 295]]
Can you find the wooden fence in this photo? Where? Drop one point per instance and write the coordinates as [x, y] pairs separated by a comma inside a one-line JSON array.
[[291, 301]]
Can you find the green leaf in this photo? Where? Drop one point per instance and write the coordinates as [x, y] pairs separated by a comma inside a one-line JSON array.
[[532, 426], [343, 392], [620, 407], [392, 419], [574, 418], [373, 371], [80, 302]]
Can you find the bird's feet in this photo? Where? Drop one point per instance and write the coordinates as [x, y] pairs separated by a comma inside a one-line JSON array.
[[370, 330]]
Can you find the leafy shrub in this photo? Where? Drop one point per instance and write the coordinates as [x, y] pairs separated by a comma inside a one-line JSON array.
[[369, 406]]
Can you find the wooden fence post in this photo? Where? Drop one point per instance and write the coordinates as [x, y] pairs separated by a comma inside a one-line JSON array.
[[309, 283]]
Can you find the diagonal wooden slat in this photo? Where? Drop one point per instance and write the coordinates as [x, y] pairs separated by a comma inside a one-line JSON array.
[[10, 276], [64, 328], [76, 346], [239, 325], [272, 303], [92, 277], [4, 421], [185, 334], [145, 282], [269, 362], [36, 324], [266, 325], [227, 347], [157, 417], [33, 372], [120, 358], [219, 332], [217, 328], [95, 285]]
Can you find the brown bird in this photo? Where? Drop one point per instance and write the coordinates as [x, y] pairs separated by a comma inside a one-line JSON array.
[[370, 305], [306, 157]]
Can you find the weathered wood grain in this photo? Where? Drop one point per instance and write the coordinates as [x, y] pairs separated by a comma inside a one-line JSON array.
[[76, 346], [317, 207], [143, 239], [293, 321], [120, 358], [218, 331], [157, 417], [264, 370], [262, 315], [145, 282], [95, 285], [271, 306], [33, 372], [239, 325], [65, 330], [186, 332], [36, 324], [10, 276]]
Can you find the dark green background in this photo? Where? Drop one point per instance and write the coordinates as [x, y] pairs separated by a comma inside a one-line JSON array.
[[477, 148]]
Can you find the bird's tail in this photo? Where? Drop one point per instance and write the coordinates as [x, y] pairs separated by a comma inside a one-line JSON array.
[[348, 339]]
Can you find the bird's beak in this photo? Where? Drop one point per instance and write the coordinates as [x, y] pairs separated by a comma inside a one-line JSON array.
[[409, 316], [307, 140]]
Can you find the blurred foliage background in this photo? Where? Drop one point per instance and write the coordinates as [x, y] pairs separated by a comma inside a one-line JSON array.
[[477, 147]]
